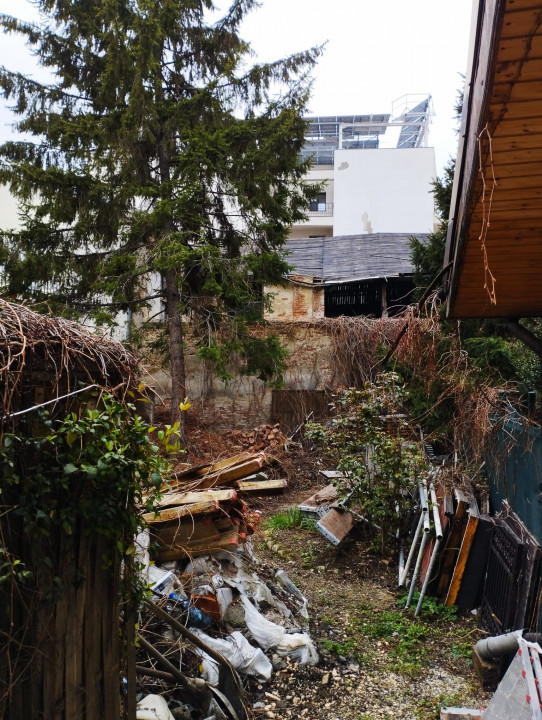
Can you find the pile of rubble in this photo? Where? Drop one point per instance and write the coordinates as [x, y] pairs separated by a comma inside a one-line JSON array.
[[211, 619]]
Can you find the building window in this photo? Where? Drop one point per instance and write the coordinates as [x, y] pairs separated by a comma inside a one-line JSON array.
[[318, 204]]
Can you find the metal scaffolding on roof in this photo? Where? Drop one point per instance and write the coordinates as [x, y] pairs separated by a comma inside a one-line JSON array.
[[326, 134]]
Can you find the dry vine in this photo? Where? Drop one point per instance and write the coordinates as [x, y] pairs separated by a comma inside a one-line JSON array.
[[33, 346]]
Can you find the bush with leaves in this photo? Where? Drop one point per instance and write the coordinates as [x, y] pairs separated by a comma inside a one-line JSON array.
[[371, 442], [86, 474]]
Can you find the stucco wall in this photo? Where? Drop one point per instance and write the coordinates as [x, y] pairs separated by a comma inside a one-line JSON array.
[[384, 190]]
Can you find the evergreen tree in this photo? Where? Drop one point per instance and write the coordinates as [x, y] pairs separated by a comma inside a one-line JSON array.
[[428, 256], [157, 151]]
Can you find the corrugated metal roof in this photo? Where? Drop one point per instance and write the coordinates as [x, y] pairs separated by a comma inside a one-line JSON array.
[[347, 258]]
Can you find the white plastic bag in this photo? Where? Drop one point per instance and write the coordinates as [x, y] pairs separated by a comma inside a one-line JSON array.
[[268, 634], [153, 707], [245, 658]]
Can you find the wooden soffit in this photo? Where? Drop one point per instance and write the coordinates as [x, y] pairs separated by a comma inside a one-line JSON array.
[[495, 231]]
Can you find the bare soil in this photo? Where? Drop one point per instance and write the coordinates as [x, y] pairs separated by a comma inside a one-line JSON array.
[[376, 659]]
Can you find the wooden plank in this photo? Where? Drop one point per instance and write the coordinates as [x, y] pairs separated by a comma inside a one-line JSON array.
[[74, 647], [202, 470], [229, 475], [469, 595], [262, 487], [92, 638], [521, 23], [336, 525], [511, 49], [228, 540], [198, 508], [464, 550], [518, 71], [61, 621], [451, 545], [47, 660], [185, 498], [521, 91], [110, 638], [225, 476], [170, 535]]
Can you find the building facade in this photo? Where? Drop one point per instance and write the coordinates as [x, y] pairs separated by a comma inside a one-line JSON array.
[[375, 172]]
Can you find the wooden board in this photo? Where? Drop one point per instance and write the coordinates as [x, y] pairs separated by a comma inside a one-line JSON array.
[[452, 543], [320, 502], [226, 476], [198, 508], [336, 525], [185, 498], [261, 487], [228, 540], [464, 551]]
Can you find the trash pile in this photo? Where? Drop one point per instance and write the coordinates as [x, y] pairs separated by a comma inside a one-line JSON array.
[[212, 623]]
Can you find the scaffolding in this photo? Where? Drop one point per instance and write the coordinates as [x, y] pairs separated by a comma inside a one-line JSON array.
[[411, 115]]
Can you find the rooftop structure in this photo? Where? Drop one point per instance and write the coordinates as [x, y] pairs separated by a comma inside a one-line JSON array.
[[406, 127]]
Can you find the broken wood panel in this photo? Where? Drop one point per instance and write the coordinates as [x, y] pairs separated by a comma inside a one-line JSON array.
[[320, 502], [261, 487], [228, 540], [173, 533], [197, 508], [527, 609], [336, 525], [462, 558], [499, 600]]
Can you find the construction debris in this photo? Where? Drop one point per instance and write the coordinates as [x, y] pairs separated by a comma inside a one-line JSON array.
[[245, 617]]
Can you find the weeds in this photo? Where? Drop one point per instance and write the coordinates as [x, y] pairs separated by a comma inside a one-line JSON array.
[[289, 519]]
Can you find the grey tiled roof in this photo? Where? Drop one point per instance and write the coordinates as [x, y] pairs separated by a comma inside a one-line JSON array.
[[347, 258]]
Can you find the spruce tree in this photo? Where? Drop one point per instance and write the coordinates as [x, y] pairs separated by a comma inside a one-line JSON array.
[[157, 150]]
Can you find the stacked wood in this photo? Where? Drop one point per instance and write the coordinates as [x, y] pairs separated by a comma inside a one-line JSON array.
[[225, 472], [201, 510], [200, 528]]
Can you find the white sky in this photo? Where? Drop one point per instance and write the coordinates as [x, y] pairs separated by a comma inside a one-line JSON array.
[[377, 52]]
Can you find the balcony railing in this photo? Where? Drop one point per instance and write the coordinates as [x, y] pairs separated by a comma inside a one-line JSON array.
[[323, 210]]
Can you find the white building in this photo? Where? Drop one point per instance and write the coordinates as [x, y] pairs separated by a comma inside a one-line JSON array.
[[376, 172]]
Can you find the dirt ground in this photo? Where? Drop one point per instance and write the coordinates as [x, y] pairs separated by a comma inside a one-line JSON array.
[[376, 659]]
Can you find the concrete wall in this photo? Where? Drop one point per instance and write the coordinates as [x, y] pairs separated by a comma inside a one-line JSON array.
[[384, 191]]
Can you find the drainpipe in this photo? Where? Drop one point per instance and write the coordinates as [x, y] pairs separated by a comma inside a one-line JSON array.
[[425, 537], [493, 647], [438, 534], [423, 506]]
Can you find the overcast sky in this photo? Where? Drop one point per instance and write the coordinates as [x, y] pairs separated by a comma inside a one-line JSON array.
[[377, 52]]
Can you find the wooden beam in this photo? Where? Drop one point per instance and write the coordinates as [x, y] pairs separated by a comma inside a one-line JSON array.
[[186, 498], [198, 508], [261, 487], [464, 550]]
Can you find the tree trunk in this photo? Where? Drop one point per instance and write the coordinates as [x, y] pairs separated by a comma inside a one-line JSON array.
[[176, 350]]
